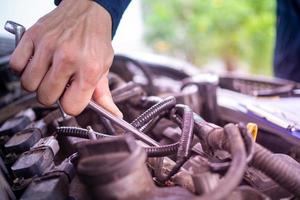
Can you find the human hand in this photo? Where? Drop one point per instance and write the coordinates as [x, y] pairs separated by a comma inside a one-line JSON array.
[[70, 45]]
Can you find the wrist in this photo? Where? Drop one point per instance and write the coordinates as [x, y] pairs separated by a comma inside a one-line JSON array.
[[82, 10], [115, 8]]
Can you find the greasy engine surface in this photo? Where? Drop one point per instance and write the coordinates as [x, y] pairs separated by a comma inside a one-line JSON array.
[[195, 145]]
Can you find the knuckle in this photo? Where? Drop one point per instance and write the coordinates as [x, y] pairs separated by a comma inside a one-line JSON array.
[[90, 76], [28, 85], [108, 59], [93, 69], [46, 44], [71, 110], [42, 19], [44, 99], [67, 55], [107, 62], [32, 32], [87, 84], [15, 65], [111, 55]]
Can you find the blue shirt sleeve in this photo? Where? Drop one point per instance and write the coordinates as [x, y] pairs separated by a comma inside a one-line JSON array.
[[115, 8], [287, 48]]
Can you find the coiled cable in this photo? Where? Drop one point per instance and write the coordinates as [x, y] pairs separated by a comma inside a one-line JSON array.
[[161, 151], [154, 111], [78, 132]]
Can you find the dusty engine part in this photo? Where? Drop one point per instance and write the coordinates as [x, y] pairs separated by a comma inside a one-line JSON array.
[[112, 167], [54, 184], [107, 167], [23, 140], [37, 159], [182, 137]]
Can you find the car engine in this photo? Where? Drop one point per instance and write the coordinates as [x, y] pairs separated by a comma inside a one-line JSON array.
[[185, 134]]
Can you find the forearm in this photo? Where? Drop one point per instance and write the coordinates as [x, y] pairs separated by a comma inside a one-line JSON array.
[[115, 8]]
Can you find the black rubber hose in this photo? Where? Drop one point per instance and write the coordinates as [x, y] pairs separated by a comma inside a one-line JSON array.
[[147, 101], [277, 169], [237, 168], [143, 68], [150, 125], [249, 146], [161, 151], [108, 125], [186, 120], [78, 132], [126, 92], [202, 129], [154, 111], [124, 88], [115, 81], [183, 147], [185, 142], [249, 143]]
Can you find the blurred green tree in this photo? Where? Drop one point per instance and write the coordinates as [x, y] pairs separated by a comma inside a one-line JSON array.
[[201, 30]]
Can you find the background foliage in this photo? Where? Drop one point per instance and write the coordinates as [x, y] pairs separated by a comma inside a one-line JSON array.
[[202, 30]]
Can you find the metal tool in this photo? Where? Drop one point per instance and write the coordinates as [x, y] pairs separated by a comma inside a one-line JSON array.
[[123, 124], [63, 114], [18, 30]]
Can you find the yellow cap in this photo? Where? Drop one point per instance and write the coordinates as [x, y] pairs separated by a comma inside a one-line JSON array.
[[253, 129]]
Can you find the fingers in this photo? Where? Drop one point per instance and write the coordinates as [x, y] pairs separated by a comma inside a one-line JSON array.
[[76, 97], [85, 76], [36, 69], [103, 97], [59, 49], [22, 53], [54, 82]]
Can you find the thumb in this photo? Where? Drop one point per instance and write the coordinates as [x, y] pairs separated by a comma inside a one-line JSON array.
[[102, 96]]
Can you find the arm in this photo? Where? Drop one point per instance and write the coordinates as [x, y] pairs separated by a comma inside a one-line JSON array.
[[71, 44], [115, 8]]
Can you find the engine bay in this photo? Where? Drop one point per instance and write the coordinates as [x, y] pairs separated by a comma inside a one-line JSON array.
[[184, 135]]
